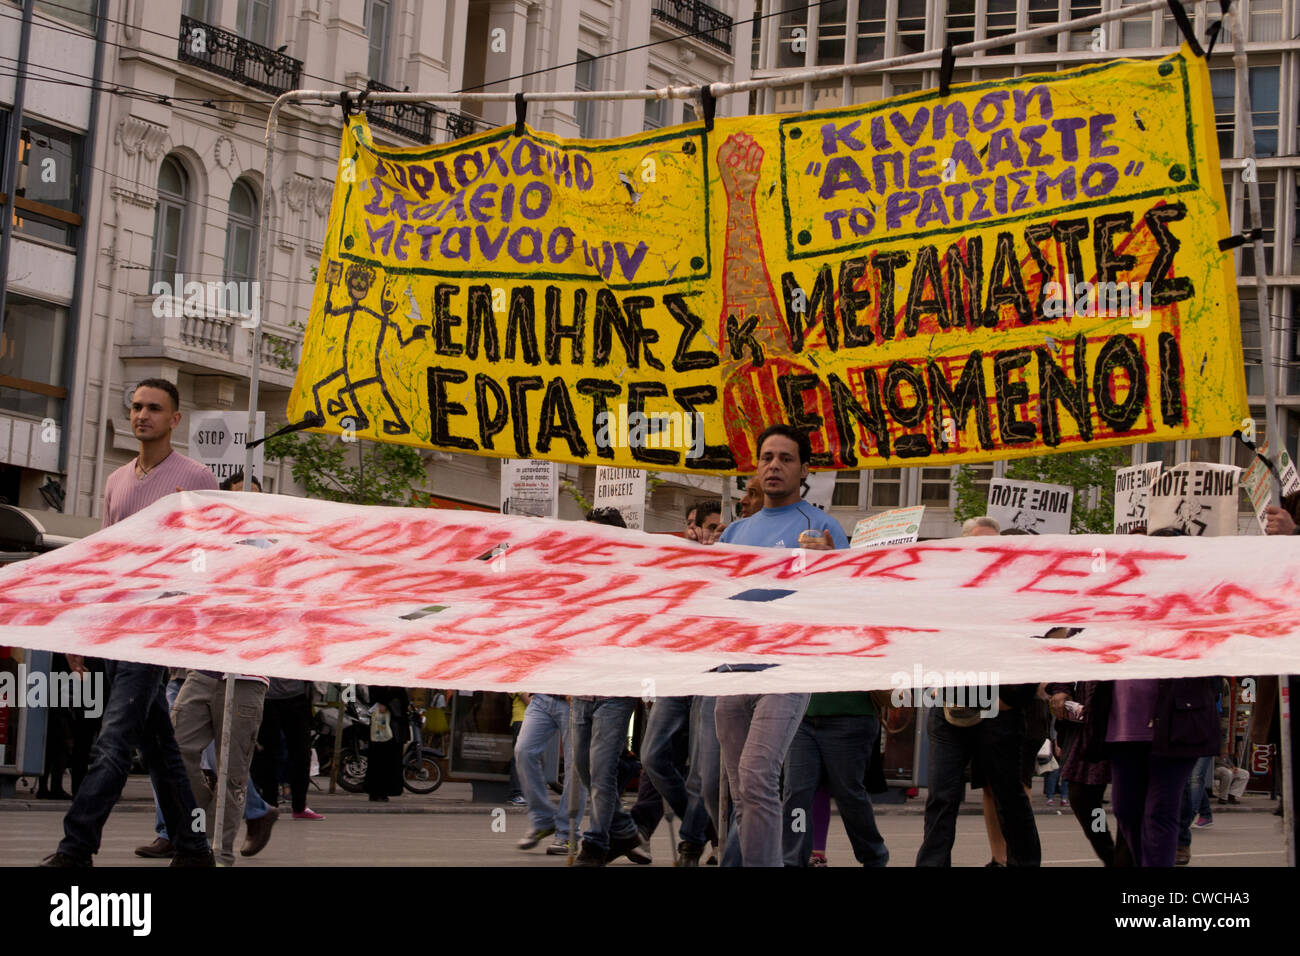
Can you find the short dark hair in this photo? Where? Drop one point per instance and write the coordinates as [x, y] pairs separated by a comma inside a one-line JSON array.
[[800, 438], [610, 516], [1172, 532], [704, 509], [234, 479], [162, 385], [1014, 531]]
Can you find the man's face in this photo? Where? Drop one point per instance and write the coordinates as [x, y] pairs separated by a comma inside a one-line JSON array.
[[779, 470], [980, 531], [712, 523], [690, 518], [152, 414], [753, 499], [239, 486]]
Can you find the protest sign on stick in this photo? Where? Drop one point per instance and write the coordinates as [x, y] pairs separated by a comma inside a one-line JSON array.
[[623, 489], [1031, 506], [1131, 487], [1197, 497], [900, 526]]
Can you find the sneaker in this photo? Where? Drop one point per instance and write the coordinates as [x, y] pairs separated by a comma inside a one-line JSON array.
[[1183, 856], [818, 859], [1203, 823], [307, 813], [558, 848], [1051, 801], [517, 801], [159, 849], [257, 833], [535, 837], [62, 859], [1065, 801], [590, 855], [194, 859], [688, 854], [635, 848]]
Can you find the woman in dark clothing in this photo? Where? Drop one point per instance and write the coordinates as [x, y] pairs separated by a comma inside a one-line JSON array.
[[1152, 731], [384, 758], [1086, 779]]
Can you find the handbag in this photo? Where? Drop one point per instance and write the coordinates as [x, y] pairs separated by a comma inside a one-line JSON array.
[[381, 726]]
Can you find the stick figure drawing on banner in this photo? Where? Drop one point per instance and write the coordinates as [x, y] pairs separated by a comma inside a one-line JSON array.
[[363, 339]]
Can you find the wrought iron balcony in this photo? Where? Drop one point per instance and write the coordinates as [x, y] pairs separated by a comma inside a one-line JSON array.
[[230, 55], [408, 119], [458, 125], [709, 25]]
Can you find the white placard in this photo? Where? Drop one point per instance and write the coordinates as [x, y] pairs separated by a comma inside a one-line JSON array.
[[821, 489], [1198, 497], [1131, 486], [624, 489], [530, 488], [1031, 506], [219, 440], [900, 526], [1259, 488]]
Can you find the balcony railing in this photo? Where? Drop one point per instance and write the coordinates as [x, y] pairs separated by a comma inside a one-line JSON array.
[[230, 55], [458, 125], [408, 119], [709, 25]]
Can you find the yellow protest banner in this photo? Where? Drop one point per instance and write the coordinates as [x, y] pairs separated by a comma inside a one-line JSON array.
[[1024, 266]]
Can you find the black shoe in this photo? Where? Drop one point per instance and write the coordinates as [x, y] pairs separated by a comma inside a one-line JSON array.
[[258, 833], [688, 854], [590, 855], [62, 859], [159, 849], [194, 859], [535, 837], [378, 798], [994, 863], [635, 848]]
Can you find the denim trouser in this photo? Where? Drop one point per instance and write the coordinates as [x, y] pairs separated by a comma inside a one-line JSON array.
[[1146, 793], [996, 741], [706, 760], [545, 717], [667, 717], [600, 728], [838, 749], [135, 716], [1195, 802], [754, 733]]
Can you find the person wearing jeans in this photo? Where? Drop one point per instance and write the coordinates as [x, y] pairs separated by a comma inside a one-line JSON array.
[[667, 717], [995, 743], [287, 711], [544, 718], [135, 716], [702, 780], [1196, 802], [600, 729], [833, 741]]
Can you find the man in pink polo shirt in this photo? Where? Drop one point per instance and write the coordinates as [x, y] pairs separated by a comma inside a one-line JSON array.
[[136, 713]]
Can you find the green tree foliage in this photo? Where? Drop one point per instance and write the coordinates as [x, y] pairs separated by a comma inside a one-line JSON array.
[[358, 472], [1083, 471]]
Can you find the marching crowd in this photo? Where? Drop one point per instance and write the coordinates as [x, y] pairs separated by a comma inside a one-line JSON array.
[[1156, 743]]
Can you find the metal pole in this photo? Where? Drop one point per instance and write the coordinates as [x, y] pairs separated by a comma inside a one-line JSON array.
[[572, 784], [339, 709], [1247, 128], [223, 759]]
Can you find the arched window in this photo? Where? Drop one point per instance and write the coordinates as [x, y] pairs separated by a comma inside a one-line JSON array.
[[170, 220], [241, 234]]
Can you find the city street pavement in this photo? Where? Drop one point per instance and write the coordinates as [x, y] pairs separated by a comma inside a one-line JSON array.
[[447, 829]]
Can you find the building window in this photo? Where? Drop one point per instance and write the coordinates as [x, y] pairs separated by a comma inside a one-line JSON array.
[[196, 10], [1041, 13], [1223, 87], [1264, 108], [792, 35], [1000, 21], [936, 487], [688, 113], [911, 26], [1265, 20], [871, 30], [378, 17], [255, 20], [848, 489], [1135, 33], [831, 32], [170, 220], [46, 184], [1268, 216], [80, 13], [31, 358], [886, 487], [241, 234], [654, 114], [585, 111], [1252, 351], [959, 25], [1082, 39], [1292, 325], [983, 474], [1165, 452]]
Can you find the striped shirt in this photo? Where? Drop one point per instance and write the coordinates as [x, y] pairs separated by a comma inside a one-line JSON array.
[[125, 492]]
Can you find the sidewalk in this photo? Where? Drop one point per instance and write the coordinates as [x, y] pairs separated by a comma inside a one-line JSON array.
[[456, 797]]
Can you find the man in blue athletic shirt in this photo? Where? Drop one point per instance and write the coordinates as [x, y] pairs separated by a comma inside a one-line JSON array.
[[755, 730]]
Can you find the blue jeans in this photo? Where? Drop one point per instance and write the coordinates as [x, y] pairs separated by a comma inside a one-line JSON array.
[[668, 715], [254, 806], [754, 733], [1053, 785], [706, 759], [545, 717], [836, 749], [135, 716], [996, 742], [600, 726], [1195, 801]]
